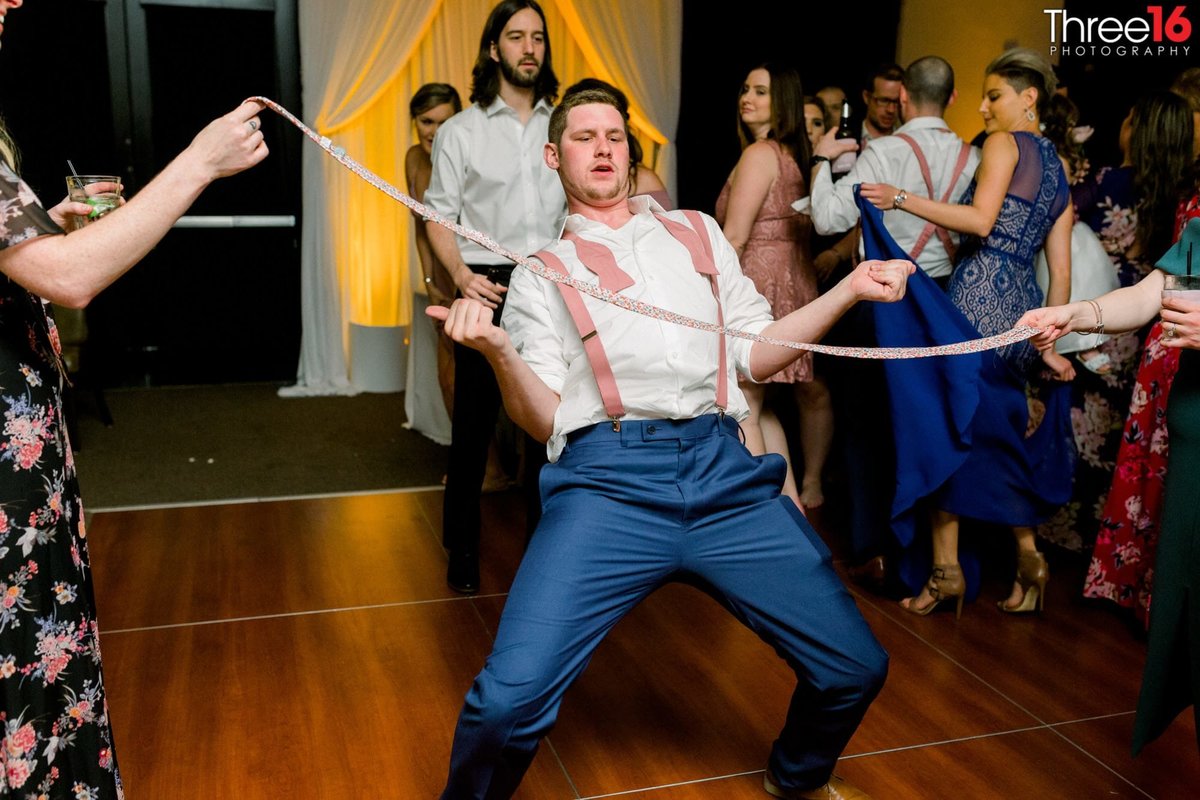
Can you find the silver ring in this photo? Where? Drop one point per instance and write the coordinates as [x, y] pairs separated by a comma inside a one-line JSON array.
[[253, 125]]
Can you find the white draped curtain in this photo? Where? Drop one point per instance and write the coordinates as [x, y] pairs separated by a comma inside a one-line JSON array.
[[361, 61]]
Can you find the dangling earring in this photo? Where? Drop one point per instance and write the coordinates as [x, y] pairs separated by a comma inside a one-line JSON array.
[[1029, 115]]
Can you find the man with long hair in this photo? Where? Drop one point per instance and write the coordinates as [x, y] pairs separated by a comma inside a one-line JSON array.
[[488, 175]]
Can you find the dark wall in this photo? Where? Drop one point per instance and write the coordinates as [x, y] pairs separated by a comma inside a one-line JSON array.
[[1106, 87], [54, 92], [206, 305], [831, 44]]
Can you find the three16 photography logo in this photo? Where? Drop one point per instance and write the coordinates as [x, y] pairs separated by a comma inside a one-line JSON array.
[[1161, 31]]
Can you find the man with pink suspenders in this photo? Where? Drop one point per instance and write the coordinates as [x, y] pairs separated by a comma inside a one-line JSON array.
[[648, 481], [923, 157]]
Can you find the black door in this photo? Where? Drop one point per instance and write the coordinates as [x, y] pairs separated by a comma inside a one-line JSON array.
[[209, 304]]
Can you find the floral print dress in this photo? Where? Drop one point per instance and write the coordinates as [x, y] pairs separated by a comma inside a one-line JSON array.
[[1122, 567], [1107, 203], [56, 739]]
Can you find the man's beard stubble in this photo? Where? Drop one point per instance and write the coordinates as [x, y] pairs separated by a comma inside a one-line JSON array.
[[517, 78]]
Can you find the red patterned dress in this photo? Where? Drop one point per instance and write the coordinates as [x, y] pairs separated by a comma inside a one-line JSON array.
[[777, 255], [1122, 568], [56, 739]]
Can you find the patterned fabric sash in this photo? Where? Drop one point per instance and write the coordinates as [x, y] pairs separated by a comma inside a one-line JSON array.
[[615, 298]]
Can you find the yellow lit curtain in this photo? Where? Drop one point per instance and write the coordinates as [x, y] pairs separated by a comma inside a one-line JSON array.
[[361, 62], [637, 46], [350, 52]]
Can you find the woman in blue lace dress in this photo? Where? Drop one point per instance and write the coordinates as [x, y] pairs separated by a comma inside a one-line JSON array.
[[54, 725], [1018, 203]]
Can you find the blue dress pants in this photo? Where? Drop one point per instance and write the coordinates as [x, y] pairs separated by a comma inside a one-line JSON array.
[[626, 512]]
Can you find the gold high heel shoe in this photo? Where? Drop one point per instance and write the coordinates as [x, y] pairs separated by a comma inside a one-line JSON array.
[[946, 583], [1032, 575]]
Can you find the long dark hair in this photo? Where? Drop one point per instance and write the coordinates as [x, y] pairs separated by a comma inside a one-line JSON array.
[[485, 75], [787, 115], [1160, 150], [1058, 125]]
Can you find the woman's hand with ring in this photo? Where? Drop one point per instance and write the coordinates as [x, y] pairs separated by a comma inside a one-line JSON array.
[[1181, 322]]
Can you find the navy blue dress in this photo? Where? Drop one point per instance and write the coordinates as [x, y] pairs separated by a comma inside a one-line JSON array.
[[961, 424], [1016, 474]]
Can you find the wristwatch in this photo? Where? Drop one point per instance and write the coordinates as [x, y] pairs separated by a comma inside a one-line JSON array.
[[898, 200]]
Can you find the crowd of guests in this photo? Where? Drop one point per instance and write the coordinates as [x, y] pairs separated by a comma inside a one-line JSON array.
[[1064, 444], [788, 147], [1089, 443]]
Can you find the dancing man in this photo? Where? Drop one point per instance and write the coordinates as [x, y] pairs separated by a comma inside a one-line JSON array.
[[648, 480]]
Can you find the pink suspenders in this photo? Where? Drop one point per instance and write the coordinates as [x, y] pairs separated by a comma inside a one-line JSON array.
[[696, 240], [599, 259], [591, 342], [963, 154]]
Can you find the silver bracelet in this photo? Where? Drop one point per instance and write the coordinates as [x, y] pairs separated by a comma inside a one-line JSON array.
[[898, 200], [1099, 327]]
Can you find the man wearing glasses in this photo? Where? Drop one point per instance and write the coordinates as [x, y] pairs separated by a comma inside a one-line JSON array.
[[882, 99]]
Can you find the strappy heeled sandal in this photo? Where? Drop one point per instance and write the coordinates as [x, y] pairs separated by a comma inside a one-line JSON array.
[[946, 583], [1032, 575]]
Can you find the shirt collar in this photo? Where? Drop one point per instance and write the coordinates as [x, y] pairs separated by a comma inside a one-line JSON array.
[[641, 205], [498, 105], [923, 123]]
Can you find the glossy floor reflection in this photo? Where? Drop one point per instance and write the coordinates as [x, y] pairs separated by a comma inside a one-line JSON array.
[[310, 649]]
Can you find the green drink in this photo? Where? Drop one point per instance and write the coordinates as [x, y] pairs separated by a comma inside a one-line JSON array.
[[102, 203], [101, 192]]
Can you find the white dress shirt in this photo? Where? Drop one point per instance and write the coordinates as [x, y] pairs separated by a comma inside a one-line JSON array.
[[662, 370], [488, 174], [889, 159]]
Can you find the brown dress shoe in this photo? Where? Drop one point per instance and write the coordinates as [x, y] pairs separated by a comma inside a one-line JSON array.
[[836, 789]]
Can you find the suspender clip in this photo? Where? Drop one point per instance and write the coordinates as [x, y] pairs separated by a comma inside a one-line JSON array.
[[616, 421]]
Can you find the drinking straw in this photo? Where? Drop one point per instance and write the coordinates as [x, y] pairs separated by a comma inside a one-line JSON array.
[[72, 166]]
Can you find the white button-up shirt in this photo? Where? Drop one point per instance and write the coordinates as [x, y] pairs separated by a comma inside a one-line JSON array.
[[489, 175], [889, 159], [662, 370]]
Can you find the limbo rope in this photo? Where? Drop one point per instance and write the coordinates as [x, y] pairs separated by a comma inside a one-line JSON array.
[[339, 154]]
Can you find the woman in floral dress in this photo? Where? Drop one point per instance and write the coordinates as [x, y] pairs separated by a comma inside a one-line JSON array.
[[56, 737], [1132, 210], [1138, 208]]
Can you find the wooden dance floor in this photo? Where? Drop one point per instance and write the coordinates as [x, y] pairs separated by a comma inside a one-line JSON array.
[[309, 648]]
